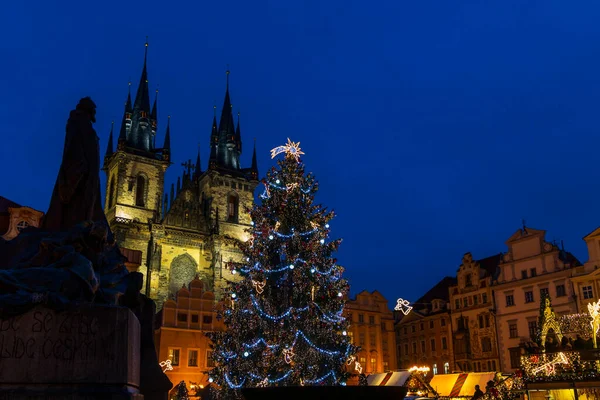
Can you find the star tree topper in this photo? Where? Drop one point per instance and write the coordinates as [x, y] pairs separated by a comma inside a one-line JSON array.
[[290, 148]]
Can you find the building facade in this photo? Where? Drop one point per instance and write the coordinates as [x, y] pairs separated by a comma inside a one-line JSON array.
[[14, 218], [181, 338], [473, 323], [193, 229], [530, 267], [372, 328], [424, 335], [585, 279]]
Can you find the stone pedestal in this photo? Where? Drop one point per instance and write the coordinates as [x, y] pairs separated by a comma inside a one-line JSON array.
[[90, 353]]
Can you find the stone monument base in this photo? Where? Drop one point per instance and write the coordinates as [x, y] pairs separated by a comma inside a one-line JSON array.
[[89, 353]]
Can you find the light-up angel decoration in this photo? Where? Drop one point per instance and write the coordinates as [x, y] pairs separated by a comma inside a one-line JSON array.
[[594, 310], [403, 305]]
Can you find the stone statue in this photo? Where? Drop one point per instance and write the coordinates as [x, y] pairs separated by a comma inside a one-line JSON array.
[[72, 260], [76, 195]]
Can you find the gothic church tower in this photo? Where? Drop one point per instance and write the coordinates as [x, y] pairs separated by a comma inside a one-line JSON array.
[[191, 230]]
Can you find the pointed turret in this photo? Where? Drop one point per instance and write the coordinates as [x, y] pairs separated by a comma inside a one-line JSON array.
[[238, 136], [126, 121], [254, 168], [178, 185], [153, 113], [166, 151], [109, 146], [198, 166], [172, 196], [214, 141]]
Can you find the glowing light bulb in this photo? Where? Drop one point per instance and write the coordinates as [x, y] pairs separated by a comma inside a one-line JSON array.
[[270, 237], [327, 226], [252, 223], [291, 266], [322, 241], [278, 181], [246, 354], [233, 295], [344, 333], [343, 383], [340, 294], [210, 380], [247, 258], [233, 271], [312, 270]]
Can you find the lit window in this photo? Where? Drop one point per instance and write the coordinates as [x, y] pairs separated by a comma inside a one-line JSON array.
[[232, 208], [210, 363], [529, 297], [446, 368], [510, 300], [373, 364], [587, 292], [351, 336], [193, 358], [512, 329], [435, 369], [174, 356], [532, 329]]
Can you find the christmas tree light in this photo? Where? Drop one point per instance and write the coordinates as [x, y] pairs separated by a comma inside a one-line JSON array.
[[285, 323]]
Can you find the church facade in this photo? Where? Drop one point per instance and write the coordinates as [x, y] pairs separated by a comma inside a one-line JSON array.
[[192, 229]]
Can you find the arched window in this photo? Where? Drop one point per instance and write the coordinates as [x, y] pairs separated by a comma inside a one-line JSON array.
[[232, 207], [140, 191], [111, 193]]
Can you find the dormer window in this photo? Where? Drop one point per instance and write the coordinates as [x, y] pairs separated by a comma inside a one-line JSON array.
[[468, 280]]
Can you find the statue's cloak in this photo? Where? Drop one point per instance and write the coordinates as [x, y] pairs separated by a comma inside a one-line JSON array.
[[76, 195]]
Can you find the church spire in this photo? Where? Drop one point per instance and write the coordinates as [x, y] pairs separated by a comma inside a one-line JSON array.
[[214, 141], [109, 146], [238, 136], [198, 167], [227, 153], [153, 113], [126, 121], [142, 98], [166, 151], [254, 168]]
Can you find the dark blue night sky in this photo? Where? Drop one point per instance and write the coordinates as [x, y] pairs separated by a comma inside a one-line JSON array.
[[433, 127]]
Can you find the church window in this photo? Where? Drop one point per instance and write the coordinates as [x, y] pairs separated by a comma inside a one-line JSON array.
[[232, 208], [140, 191], [111, 193]]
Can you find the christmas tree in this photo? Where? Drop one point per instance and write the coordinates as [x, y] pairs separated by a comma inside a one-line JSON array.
[[284, 318]]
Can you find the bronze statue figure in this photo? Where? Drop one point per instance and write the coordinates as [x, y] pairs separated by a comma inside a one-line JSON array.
[[76, 195]]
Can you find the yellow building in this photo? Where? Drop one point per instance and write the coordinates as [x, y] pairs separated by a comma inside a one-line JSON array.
[[586, 278], [529, 267], [188, 231], [473, 322], [181, 337], [424, 335], [372, 328]]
